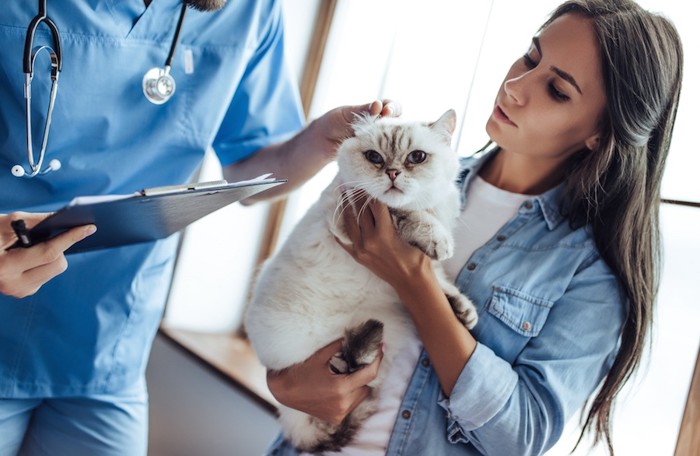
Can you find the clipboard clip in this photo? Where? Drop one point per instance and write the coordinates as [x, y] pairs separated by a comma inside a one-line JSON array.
[[169, 189]]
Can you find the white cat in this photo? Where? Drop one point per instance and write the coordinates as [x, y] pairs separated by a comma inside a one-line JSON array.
[[313, 292]]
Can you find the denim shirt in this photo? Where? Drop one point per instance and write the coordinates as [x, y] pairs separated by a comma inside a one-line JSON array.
[[550, 313]]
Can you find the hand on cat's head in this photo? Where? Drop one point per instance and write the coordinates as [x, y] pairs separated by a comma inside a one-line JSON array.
[[384, 108], [336, 125]]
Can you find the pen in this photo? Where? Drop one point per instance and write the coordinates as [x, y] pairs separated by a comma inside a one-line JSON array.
[[22, 233]]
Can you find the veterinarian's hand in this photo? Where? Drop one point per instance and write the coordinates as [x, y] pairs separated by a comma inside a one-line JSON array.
[[313, 388], [24, 270], [335, 125], [376, 245]]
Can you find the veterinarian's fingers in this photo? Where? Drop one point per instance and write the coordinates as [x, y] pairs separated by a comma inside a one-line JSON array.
[[385, 108]]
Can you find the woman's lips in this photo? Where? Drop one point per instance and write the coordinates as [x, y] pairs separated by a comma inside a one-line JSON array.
[[500, 115]]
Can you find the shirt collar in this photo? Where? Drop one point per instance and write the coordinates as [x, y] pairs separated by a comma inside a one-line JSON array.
[[547, 202]]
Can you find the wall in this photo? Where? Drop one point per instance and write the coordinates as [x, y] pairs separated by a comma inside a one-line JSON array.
[[195, 412]]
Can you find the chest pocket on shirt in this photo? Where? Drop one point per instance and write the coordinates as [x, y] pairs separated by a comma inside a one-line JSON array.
[[523, 313]]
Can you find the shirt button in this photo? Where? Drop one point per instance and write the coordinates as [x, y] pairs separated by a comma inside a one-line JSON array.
[[501, 238], [471, 266], [425, 362], [526, 326], [406, 414], [528, 204]]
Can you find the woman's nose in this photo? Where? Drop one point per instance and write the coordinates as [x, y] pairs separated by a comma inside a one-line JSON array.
[[515, 89]]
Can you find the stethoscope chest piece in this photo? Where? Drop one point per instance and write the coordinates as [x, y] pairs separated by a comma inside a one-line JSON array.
[[158, 85]]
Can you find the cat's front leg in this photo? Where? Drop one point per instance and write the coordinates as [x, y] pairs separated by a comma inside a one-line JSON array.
[[423, 230]]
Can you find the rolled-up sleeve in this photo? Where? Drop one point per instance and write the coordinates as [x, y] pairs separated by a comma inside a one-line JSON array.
[[490, 392], [266, 107]]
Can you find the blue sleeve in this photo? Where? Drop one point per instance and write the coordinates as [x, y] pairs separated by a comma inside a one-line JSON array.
[[265, 108], [522, 408]]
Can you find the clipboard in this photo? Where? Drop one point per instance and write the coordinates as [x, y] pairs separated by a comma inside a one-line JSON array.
[[145, 216]]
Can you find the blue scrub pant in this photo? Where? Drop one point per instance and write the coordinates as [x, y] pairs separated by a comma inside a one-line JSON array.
[[96, 425]]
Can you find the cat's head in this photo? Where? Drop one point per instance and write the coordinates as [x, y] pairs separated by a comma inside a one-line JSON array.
[[401, 163]]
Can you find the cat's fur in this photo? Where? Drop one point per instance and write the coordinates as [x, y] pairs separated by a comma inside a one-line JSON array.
[[313, 292]]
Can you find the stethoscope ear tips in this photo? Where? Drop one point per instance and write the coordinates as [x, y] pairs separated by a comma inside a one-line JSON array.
[[54, 165], [18, 171]]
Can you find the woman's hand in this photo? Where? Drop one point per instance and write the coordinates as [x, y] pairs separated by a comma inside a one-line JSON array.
[[376, 245], [313, 388], [24, 270]]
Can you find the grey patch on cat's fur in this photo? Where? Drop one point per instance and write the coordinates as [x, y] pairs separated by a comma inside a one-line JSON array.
[[360, 347], [339, 436]]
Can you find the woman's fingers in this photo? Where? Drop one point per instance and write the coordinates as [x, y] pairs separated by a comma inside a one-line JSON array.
[[313, 388]]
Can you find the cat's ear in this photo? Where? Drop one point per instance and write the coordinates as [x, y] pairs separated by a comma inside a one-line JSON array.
[[445, 125], [363, 123]]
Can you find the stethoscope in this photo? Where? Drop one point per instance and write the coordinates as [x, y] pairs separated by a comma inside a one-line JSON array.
[[158, 86]]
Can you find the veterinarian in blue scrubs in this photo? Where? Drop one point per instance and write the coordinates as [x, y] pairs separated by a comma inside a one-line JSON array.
[[73, 350], [564, 283]]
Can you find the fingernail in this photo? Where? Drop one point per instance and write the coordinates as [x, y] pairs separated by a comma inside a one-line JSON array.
[[383, 348], [90, 229]]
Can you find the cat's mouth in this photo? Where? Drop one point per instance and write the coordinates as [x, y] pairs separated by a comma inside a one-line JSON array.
[[393, 189]]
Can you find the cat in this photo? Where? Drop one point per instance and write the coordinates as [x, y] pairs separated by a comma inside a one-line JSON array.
[[313, 292]]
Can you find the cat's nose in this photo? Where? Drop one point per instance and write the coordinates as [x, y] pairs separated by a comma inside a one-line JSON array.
[[392, 173]]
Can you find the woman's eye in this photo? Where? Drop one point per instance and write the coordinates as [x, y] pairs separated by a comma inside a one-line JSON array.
[[529, 61], [374, 157], [557, 94], [417, 156]]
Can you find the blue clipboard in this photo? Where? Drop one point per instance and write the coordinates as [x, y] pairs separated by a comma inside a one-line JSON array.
[[146, 216]]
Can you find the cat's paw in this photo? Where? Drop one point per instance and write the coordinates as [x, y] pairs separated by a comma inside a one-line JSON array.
[[360, 347], [439, 249], [464, 310]]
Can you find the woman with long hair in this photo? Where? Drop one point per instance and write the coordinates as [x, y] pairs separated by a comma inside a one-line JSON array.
[[557, 246]]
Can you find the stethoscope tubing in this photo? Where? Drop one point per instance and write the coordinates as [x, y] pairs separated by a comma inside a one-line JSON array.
[[152, 79], [28, 61], [30, 54]]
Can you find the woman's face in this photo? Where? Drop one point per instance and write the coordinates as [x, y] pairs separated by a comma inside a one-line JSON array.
[[551, 101]]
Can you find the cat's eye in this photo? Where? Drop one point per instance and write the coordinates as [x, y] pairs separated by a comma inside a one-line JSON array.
[[417, 156], [374, 157]]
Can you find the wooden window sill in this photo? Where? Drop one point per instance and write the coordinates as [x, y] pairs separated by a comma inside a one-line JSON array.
[[229, 356]]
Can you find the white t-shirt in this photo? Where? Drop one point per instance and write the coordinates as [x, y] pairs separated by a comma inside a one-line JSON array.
[[488, 208]]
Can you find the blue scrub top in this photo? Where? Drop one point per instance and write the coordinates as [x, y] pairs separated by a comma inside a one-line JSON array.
[[89, 330]]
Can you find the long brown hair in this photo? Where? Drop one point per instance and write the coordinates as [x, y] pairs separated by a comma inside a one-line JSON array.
[[616, 188]]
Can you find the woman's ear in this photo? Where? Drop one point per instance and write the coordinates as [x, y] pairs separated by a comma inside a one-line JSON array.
[[593, 142]]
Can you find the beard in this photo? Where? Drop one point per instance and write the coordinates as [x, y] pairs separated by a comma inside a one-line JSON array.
[[205, 5]]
